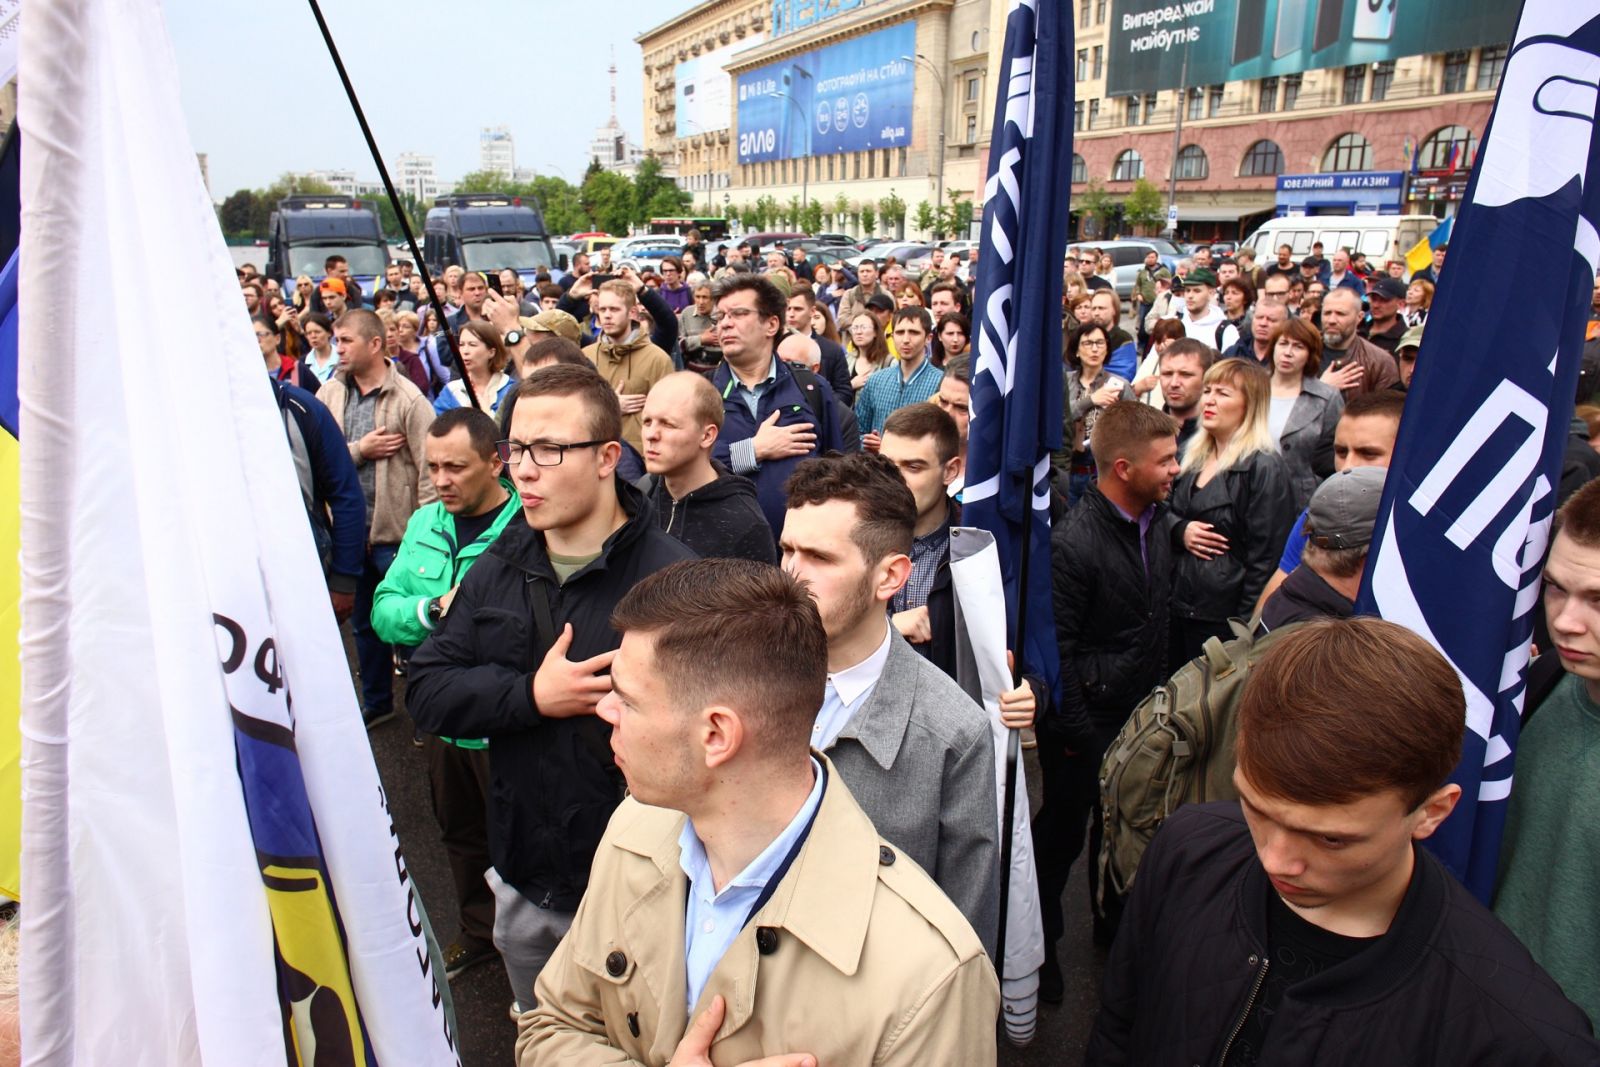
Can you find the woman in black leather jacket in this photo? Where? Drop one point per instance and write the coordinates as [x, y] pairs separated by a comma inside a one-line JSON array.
[[1234, 507]]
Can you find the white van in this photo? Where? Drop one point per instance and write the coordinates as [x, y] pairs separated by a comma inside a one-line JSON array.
[[1381, 237]]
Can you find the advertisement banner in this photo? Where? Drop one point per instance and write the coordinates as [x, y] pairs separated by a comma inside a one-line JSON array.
[[705, 91], [848, 97], [1231, 40]]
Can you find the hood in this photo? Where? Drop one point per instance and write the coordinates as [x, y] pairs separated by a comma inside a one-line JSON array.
[[728, 486], [618, 349]]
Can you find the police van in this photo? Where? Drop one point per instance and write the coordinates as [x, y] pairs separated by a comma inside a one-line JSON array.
[[305, 230], [487, 232]]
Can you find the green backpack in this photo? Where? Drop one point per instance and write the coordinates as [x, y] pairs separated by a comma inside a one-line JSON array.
[[1176, 748]]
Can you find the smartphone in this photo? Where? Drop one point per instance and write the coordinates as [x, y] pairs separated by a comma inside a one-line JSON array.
[[1291, 32], [601, 279], [1250, 25], [1330, 24], [1374, 20], [492, 278]]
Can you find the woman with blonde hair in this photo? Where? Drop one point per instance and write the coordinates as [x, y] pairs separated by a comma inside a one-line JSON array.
[[1419, 298], [867, 350], [483, 361], [1233, 505]]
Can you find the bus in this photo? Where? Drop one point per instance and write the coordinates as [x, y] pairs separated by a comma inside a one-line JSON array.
[[305, 230], [710, 229]]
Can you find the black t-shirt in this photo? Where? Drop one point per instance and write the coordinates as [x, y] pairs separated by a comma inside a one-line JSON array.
[[470, 527], [1297, 950]]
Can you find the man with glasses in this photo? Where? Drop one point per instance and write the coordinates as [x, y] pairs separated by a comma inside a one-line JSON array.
[[521, 656]]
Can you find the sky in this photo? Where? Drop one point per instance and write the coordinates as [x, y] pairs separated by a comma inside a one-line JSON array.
[[262, 96]]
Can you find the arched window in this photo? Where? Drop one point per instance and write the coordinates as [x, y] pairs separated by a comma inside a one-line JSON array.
[[1350, 152], [1129, 167], [1262, 159], [1192, 163], [1436, 151], [1080, 170]]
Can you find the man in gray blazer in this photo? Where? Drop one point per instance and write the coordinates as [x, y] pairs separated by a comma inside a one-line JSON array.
[[914, 749]]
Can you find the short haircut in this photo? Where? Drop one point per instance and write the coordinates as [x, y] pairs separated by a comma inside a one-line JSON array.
[[959, 367], [1189, 346], [806, 293], [1334, 562], [770, 300], [1125, 429], [266, 322], [585, 383], [716, 624], [1112, 293], [1579, 517], [672, 261], [1341, 292], [1385, 402], [1244, 285], [1322, 721], [333, 261], [947, 287], [1308, 335], [365, 324], [705, 403], [547, 290], [408, 316], [479, 426], [916, 421], [621, 290], [886, 512], [552, 347], [318, 319], [919, 315], [1166, 330]]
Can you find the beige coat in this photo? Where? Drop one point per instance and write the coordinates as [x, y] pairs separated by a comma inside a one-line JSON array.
[[631, 366], [400, 483], [869, 963]]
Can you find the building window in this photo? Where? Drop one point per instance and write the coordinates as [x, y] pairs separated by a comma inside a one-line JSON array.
[[830, 168], [1291, 91], [1129, 167], [1149, 107], [1455, 72], [856, 156], [1262, 159], [903, 153], [1451, 148], [1094, 112], [972, 131], [872, 165], [1131, 112], [1196, 103], [1267, 101], [1080, 170], [1350, 152], [1491, 67], [972, 89], [1192, 164], [1355, 79], [1214, 102], [1083, 65], [1382, 78], [1083, 14], [1077, 116], [1099, 12], [1099, 60]]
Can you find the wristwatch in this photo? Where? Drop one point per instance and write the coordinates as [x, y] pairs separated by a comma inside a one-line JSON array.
[[514, 338], [435, 612]]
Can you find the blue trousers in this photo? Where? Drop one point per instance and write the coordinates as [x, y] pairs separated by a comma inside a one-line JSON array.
[[376, 659]]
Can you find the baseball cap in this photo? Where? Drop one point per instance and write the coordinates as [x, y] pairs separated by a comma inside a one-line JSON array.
[[1412, 338], [1200, 276], [881, 302], [336, 284], [1388, 288], [556, 322], [1344, 508]]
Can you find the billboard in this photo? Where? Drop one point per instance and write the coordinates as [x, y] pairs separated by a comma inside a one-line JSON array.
[[705, 91], [848, 97], [1231, 40]]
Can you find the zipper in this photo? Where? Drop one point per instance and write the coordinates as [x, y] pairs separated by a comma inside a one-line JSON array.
[[1249, 1004]]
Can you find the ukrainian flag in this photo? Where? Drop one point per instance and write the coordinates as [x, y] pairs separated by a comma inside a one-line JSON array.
[[1420, 257]]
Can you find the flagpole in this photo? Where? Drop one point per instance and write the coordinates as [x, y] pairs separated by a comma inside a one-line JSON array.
[[1013, 745], [394, 201]]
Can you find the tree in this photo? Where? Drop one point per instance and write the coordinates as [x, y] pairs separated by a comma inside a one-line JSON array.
[[841, 211], [955, 218], [1144, 208], [792, 212], [811, 221], [892, 210], [1096, 207], [558, 199], [925, 219], [484, 181], [607, 199], [869, 219], [237, 213], [656, 196]]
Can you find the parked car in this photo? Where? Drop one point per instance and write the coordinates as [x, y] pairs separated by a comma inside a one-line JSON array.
[[904, 251], [836, 239], [1128, 257], [1381, 237]]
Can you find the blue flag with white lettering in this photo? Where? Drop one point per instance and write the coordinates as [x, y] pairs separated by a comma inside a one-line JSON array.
[[1017, 375], [1466, 513]]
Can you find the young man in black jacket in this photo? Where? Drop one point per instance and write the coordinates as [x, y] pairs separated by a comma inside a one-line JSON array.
[[521, 655], [1304, 923], [1110, 564]]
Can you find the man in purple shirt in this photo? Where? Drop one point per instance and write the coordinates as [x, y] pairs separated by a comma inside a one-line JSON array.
[[1110, 561]]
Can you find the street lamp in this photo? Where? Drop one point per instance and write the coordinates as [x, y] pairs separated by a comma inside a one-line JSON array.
[[938, 196], [805, 161]]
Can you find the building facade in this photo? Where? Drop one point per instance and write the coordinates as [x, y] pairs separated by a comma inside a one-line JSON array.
[[416, 174], [497, 151]]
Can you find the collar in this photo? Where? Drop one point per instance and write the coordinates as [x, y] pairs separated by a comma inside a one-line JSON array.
[[880, 724], [924, 365], [758, 872], [851, 682], [735, 382], [1142, 519]]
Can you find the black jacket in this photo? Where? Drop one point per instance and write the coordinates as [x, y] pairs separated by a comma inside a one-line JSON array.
[[1447, 986], [1253, 507], [1304, 595], [836, 369], [1111, 615], [720, 520], [553, 785]]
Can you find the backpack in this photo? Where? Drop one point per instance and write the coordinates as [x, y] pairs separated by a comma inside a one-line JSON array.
[[1176, 748]]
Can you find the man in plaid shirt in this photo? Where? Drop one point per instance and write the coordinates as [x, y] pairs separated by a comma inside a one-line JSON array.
[[913, 380]]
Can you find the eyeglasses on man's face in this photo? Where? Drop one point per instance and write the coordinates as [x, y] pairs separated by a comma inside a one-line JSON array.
[[544, 453]]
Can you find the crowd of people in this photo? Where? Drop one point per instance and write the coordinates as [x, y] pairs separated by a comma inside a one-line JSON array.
[[663, 560]]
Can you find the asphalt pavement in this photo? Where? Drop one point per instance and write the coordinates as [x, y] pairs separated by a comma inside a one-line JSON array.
[[485, 1032]]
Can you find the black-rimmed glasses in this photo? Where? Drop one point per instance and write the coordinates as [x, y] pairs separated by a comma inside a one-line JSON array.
[[544, 453]]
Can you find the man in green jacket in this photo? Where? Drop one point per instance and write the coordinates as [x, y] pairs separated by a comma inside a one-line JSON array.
[[441, 542], [1144, 291]]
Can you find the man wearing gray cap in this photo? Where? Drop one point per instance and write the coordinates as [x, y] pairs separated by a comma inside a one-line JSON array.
[[1338, 532], [1385, 299]]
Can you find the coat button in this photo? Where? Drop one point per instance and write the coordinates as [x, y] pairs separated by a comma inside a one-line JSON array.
[[1254, 960], [616, 963], [766, 940], [885, 856]]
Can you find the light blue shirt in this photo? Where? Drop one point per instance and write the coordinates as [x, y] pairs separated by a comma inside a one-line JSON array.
[[712, 920]]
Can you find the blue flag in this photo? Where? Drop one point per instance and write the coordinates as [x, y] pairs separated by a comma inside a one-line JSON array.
[[1017, 376], [1466, 513]]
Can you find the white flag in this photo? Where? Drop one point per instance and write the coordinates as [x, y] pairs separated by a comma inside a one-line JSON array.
[[211, 872]]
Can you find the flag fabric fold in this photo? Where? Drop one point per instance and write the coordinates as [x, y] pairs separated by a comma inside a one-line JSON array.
[[1460, 539], [212, 873]]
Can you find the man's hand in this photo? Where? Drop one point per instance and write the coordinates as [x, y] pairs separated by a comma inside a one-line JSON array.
[[1143, 386], [448, 599], [380, 444], [501, 312], [631, 276], [582, 287], [781, 442], [695, 1048], [1016, 705], [871, 442], [344, 605], [913, 625], [563, 689], [632, 403], [709, 338], [1348, 376]]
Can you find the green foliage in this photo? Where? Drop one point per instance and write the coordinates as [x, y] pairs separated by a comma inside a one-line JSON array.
[[811, 218], [955, 218], [608, 200], [841, 211], [791, 213], [657, 196], [1095, 201], [869, 219], [1144, 208], [892, 210], [237, 214], [925, 219]]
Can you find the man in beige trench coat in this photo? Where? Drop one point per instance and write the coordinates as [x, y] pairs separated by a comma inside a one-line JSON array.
[[741, 886]]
